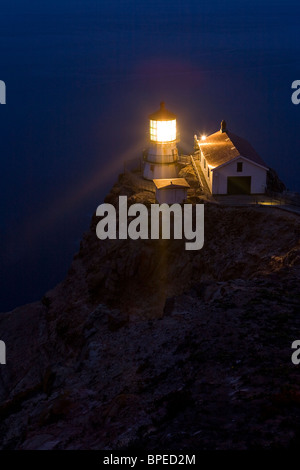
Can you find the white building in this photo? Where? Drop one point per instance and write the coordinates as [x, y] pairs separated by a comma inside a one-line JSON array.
[[162, 155], [230, 164], [171, 191]]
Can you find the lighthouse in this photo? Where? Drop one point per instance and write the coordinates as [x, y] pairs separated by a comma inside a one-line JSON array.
[[162, 155]]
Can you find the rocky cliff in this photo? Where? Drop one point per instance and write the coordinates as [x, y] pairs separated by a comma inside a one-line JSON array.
[[147, 345]]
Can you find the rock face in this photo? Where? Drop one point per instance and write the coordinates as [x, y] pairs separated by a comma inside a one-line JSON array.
[[274, 183], [146, 344]]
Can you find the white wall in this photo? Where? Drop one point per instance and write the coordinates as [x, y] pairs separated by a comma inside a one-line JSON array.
[[171, 196], [204, 170], [161, 161], [258, 176], [152, 171], [162, 153]]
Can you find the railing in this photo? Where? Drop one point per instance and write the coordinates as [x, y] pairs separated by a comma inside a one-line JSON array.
[[184, 159], [196, 171], [285, 198]]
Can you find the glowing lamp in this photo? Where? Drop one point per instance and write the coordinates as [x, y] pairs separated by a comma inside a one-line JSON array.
[[162, 125]]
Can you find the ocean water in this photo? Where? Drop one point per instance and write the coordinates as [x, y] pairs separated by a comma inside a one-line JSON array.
[[82, 77]]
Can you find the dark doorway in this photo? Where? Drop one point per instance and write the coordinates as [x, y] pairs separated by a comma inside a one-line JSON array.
[[239, 185]]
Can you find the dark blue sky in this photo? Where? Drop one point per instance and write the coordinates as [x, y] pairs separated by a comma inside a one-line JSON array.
[[82, 77]]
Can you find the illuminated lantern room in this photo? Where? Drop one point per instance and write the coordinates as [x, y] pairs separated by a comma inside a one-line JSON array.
[[161, 156], [162, 125], [163, 131]]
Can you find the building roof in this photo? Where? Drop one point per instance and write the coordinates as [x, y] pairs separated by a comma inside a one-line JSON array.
[[162, 114], [171, 183], [222, 147]]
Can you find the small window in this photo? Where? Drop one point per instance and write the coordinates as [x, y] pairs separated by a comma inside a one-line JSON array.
[[239, 167], [204, 163], [208, 171]]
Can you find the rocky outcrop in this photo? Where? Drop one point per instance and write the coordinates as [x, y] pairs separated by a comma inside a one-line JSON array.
[[274, 183], [146, 344]]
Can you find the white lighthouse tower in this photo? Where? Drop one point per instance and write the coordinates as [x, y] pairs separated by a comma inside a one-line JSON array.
[[162, 155]]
